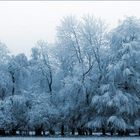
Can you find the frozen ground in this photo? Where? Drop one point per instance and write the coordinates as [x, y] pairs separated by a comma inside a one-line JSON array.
[[78, 138]]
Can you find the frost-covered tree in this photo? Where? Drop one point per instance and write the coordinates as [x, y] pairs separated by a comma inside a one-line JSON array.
[[118, 101], [4, 54], [42, 56], [14, 115], [17, 67], [5, 79], [43, 115], [42, 89], [80, 44], [88, 80]]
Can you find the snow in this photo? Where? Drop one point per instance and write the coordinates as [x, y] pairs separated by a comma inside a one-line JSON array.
[[75, 83], [71, 138]]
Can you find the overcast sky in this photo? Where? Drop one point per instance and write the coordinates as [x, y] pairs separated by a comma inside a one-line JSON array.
[[22, 23]]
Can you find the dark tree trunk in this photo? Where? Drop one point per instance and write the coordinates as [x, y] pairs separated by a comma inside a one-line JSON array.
[[27, 132], [13, 132], [62, 130], [79, 131], [2, 132], [90, 131], [44, 132], [121, 133], [38, 132], [20, 132], [13, 80], [50, 88], [139, 131], [86, 132], [103, 131], [127, 132], [23, 132], [73, 131], [51, 132], [87, 98], [83, 131], [111, 132]]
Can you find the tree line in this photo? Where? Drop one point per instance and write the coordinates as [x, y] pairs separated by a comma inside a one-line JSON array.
[[87, 81]]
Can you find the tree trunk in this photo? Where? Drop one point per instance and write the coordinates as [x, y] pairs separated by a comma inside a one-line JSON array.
[[86, 132], [13, 80], [38, 132], [13, 132], [62, 130], [20, 132], [2, 132], [73, 131], [103, 131], [51, 132], [44, 132], [27, 132], [111, 132], [127, 132], [120, 133], [79, 131], [90, 131], [139, 131], [87, 98]]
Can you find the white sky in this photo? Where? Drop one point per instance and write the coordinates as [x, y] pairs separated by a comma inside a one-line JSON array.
[[22, 23]]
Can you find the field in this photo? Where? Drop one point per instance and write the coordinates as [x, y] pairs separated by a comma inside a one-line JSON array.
[[78, 138]]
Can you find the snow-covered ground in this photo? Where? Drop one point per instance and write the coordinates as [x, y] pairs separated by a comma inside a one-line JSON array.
[[78, 138]]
